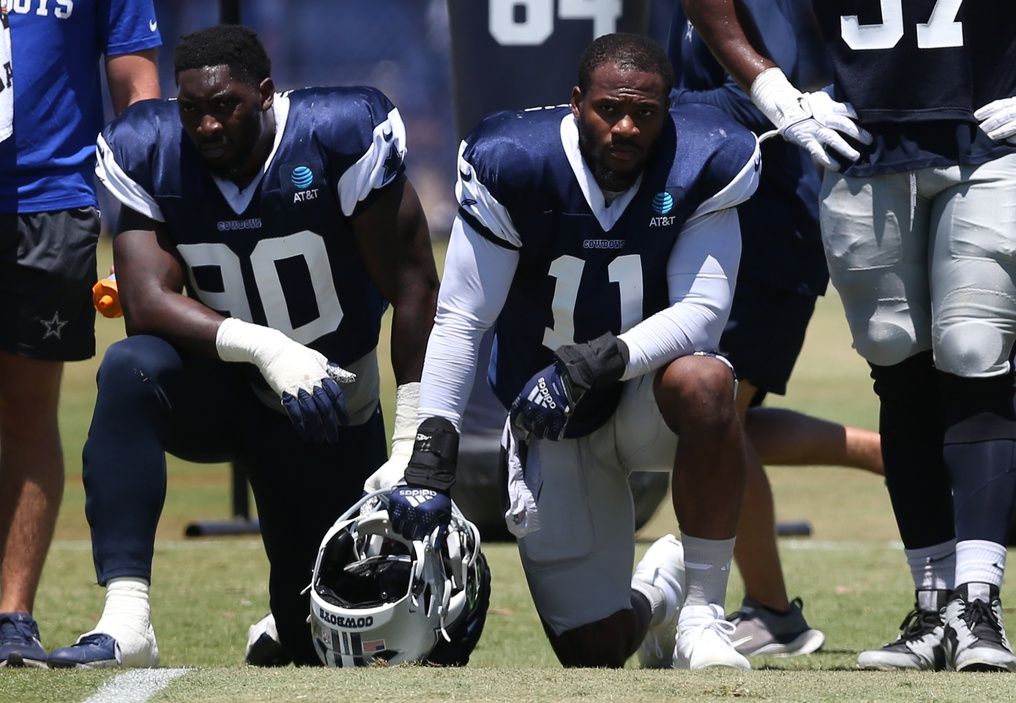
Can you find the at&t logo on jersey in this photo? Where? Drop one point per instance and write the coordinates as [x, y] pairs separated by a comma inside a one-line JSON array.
[[663, 202], [302, 177]]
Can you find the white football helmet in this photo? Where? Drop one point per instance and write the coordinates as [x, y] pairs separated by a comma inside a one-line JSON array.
[[379, 598]]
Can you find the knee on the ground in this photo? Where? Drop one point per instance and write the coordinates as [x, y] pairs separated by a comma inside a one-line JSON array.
[[596, 645]]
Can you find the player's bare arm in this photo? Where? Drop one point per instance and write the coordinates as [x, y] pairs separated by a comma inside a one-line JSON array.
[[730, 34], [395, 242], [151, 277], [132, 77]]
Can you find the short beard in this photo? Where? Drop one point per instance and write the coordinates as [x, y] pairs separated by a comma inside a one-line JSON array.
[[607, 178]]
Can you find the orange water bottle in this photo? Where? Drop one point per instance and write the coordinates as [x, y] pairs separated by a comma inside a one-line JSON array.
[[106, 297]]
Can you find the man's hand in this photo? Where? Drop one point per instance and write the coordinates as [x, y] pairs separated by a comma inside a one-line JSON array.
[[305, 381], [813, 121], [417, 513], [423, 507], [392, 472], [542, 408], [998, 120]]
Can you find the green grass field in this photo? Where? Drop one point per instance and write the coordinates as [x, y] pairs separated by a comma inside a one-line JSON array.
[[851, 574]]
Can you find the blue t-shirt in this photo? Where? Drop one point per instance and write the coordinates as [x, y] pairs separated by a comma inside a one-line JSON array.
[[56, 46]]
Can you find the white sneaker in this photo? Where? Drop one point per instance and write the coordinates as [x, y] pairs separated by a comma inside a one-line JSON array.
[[704, 642], [662, 567]]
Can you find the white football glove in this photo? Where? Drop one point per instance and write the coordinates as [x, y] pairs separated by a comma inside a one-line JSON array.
[[998, 119], [305, 381], [813, 121], [392, 472]]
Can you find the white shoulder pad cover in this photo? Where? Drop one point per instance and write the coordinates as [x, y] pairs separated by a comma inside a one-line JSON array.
[[120, 185], [739, 189], [478, 203], [370, 171]]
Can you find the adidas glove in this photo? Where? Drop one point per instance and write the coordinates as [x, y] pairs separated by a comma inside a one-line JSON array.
[[423, 507], [305, 381], [813, 121], [547, 399]]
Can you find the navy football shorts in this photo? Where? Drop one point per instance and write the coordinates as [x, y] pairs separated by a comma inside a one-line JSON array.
[[764, 335], [47, 269]]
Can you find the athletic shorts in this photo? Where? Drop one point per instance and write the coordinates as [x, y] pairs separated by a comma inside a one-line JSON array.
[[927, 260], [47, 269], [579, 562], [764, 335]]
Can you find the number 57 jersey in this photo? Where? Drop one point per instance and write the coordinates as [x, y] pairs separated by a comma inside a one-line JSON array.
[[586, 266], [279, 251]]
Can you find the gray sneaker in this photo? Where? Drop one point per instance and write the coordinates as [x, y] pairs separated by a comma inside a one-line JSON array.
[[919, 646], [974, 635], [760, 630]]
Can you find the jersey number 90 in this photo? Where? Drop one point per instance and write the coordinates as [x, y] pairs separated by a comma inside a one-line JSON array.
[[232, 299]]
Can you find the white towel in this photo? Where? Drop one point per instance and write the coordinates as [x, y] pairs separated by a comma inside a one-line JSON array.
[[522, 516]]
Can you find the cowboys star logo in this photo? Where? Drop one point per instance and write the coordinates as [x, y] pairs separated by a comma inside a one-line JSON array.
[[54, 327]]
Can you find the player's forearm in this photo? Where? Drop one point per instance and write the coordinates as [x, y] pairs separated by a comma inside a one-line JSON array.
[[478, 275], [412, 321], [184, 322], [728, 30]]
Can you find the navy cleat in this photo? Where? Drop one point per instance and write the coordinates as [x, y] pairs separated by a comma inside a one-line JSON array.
[[93, 651], [97, 650], [19, 641]]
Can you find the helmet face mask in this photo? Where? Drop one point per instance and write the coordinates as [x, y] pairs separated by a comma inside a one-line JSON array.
[[379, 598]]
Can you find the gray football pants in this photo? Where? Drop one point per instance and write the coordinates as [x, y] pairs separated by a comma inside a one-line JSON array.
[[926, 259]]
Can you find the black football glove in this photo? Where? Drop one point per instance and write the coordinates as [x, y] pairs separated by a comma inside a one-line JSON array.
[[423, 505], [547, 399]]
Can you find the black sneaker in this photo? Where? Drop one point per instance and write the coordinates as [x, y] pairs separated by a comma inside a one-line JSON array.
[[974, 635], [19, 641], [919, 645], [760, 630]]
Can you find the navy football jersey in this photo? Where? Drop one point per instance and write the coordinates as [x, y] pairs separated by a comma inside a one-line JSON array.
[[916, 70], [278, 252], [781, 242], [587, 267]]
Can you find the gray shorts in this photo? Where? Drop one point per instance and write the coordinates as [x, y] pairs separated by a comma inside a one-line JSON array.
[[47, 269], [927, 260], [579, 562]]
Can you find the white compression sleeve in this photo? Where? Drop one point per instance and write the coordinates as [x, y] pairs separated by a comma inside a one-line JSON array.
[[477, 277], [701, 273]]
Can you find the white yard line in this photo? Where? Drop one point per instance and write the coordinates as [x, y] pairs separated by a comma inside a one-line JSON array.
[[254, 545], [134, 686], [816, 545]]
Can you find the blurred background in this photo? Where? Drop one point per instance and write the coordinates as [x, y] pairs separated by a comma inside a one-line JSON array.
[[402, 47]]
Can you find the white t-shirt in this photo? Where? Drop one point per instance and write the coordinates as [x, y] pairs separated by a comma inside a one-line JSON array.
[[6, 81]]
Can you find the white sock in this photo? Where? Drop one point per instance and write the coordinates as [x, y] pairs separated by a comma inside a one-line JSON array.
[[653, 594], [980, 560], [934, 567], [706, 569], [127, 614]]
